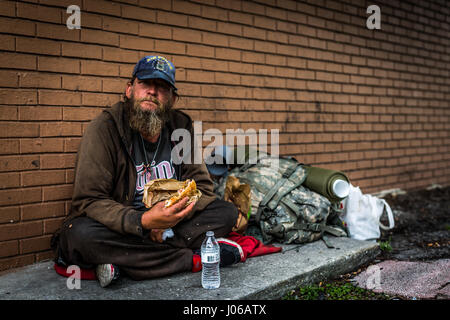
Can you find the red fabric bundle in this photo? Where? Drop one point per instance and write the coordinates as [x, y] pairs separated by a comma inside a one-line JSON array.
[[85, 274], [251, 246]]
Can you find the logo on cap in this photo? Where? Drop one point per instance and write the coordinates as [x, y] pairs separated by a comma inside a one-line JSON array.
[[155, 67]]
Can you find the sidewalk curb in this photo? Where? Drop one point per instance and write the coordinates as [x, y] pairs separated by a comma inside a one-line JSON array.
[[259, 278]]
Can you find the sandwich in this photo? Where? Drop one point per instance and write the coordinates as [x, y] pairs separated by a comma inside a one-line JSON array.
[[169, 190], [189, 190]]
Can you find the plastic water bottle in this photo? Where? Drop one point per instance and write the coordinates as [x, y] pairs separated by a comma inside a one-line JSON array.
[[210, 252]]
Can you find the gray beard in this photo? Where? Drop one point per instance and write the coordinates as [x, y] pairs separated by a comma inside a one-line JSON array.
[[148, 122]]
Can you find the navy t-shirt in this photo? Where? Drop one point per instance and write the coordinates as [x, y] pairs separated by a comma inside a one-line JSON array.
[[162, 168]]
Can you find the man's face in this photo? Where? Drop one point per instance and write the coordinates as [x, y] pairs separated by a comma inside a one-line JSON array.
[[149, 104], [146, 91]]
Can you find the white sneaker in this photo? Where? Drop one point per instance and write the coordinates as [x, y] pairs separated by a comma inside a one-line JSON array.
[[106, 273]]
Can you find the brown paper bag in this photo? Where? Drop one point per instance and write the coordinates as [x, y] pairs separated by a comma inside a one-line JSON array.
[[239, 194]]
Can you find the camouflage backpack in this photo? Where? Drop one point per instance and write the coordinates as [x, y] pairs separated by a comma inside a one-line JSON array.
[[282, 209]]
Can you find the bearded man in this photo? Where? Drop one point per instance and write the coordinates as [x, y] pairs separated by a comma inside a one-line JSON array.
[[108, 227]]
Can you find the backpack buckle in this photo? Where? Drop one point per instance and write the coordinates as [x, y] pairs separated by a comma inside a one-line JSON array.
[[313, 227]]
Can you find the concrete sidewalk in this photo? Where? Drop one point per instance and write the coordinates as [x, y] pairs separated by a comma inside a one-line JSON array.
[[409, 279], [258, 278]]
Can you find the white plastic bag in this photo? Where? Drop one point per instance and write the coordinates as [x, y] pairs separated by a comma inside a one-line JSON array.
[[362, 213]]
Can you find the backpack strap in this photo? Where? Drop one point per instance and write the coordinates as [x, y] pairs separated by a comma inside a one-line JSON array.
[[246, 166], [327, 243], [280, 196], [249, 163], [271, 193], [263, 205], [315, 227], [322, 228], [286, 175]]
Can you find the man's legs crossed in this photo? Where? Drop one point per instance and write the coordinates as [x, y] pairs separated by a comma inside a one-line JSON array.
[[87, 243]]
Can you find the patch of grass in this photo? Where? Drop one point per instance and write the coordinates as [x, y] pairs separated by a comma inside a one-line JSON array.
[[385, 245], [336, 290]]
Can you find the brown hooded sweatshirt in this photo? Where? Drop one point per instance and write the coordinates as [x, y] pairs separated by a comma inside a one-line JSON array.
[[105, 175]]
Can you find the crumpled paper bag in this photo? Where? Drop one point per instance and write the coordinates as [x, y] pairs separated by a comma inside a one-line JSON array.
[[163, 189], [239, 194]]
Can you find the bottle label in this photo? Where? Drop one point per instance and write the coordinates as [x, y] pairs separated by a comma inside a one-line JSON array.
[[210, 258]]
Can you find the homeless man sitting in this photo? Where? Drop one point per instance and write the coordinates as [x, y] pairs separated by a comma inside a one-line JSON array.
[[127, 145]]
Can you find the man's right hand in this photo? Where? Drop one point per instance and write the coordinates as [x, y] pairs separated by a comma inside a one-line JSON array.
[[160, 217]]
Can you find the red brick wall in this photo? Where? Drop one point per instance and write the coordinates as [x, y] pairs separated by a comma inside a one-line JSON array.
[[372, 103]]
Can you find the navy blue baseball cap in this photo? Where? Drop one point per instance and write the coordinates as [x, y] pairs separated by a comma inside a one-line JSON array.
[[155, 67]]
